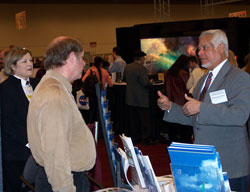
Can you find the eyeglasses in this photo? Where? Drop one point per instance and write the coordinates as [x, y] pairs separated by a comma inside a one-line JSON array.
[[204, 48], [78, 55], [13, 50], [19, 48]]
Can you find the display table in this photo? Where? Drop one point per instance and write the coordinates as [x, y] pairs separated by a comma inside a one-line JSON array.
[[166, 184]]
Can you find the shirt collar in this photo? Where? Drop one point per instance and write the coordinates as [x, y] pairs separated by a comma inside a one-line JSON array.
[[137, 62], [118, 57], [60, 78], [216, 70], [23, 82]]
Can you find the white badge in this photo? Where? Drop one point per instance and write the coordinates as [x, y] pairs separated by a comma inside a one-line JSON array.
[[29, 90], [218, 96]]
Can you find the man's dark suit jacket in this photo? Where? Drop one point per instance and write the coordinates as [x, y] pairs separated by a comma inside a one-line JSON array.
[[137, 92], [14, 109]]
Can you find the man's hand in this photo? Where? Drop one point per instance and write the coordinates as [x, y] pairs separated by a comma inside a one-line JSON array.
[[163, 102], [191, 107]]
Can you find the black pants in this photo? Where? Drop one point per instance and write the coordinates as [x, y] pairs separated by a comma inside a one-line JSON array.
[[81, 182], [240, 184], [93, 109], [139, 123], [180, 133], [12, 170]]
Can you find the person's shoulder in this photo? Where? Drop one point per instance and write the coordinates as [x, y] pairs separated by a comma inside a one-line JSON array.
[[50, 93], [135, 66], [11, 80], [104, 71], [130, 65], [123, 61], [50, 86], [183, 72], [238, 76], [4, 83], [236, 71], [120, 60], [34, 80], [198, 69], [10, 86]]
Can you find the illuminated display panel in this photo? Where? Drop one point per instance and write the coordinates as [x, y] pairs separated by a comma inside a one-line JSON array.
[[163, 52]]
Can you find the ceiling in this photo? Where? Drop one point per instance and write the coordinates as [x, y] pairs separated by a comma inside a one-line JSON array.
[[96, 1], [110, 1]]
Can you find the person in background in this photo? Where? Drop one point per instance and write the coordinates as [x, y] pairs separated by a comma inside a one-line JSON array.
[[60, 141], [195, 75], [192, 63], [232, 58], [15, 94], [176, 79], [105, 62], [137, 99], [3, 54], [119, 64], [41, 71], [1, 58], [105, 65], [246, 68], [219, 108], [175, 88], [102, 76]]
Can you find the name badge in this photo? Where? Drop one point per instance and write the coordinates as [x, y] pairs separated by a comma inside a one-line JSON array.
[[218, 96], [29, 90]]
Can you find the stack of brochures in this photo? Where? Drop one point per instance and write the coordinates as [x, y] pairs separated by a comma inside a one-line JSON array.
[[142, 173], [197, 168], [106, 115]]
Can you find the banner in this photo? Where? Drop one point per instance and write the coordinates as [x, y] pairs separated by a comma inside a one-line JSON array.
[[21, 20], [241, 14]]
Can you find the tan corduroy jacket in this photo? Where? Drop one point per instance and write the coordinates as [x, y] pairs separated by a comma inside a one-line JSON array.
[[59, 139]]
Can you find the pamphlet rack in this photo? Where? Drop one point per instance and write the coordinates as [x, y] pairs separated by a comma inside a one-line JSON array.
[[108, 135]]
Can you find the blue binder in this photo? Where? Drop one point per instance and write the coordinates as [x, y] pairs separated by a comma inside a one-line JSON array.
[[196, 168]]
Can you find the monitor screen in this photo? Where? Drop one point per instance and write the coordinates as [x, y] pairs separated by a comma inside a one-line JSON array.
[[163, 52]]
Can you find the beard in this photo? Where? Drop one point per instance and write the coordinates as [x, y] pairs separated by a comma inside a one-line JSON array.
[[206, 65]]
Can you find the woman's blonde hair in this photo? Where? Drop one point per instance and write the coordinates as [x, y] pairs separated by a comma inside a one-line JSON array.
[[12, 57]]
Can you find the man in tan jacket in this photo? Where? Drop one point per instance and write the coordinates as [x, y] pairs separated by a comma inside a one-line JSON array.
[[60, 141]]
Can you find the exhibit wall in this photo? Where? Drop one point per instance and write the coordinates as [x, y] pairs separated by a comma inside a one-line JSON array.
[[235, 28]]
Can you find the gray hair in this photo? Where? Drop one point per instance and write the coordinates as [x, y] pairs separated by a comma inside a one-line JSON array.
[[219, 36]]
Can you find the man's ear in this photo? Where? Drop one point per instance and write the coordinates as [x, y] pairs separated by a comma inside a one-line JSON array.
[[71, 57], [221, 48]]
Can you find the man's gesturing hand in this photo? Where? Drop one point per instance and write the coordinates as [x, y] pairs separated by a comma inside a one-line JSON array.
[[163, 102], [191, 107]]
